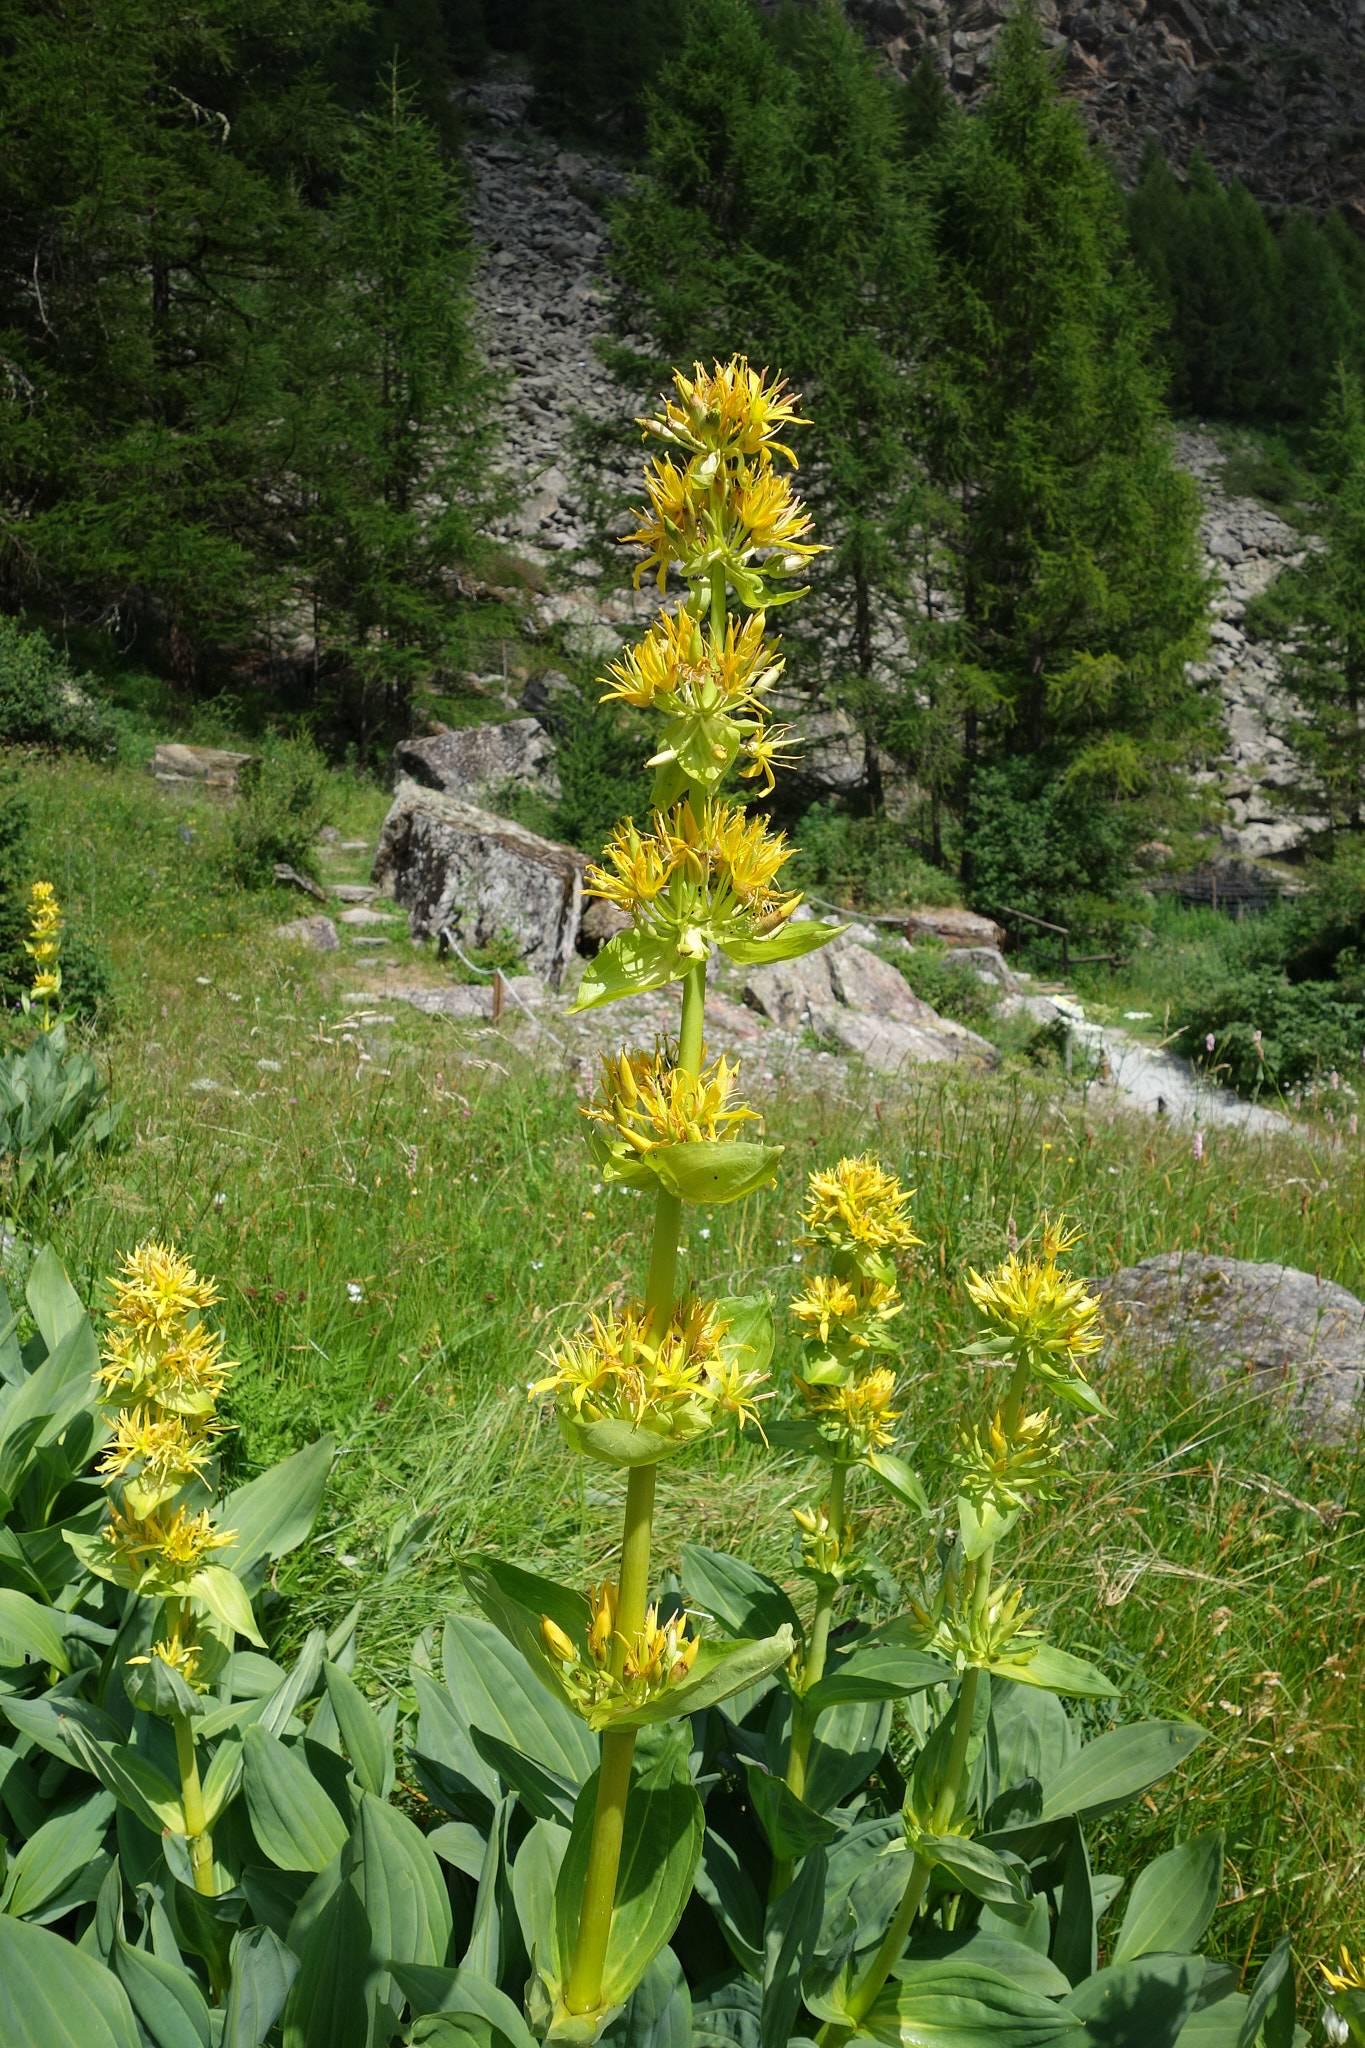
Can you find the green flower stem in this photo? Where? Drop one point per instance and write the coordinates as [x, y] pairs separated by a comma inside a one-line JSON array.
[[803, 1721], [888, 1955], [192, 1799], [1014, 1399], [583, 1992]]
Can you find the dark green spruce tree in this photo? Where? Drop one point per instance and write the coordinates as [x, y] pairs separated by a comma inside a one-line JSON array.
[[775, 218], [1327, 598], [387, 431], [1069, 533]]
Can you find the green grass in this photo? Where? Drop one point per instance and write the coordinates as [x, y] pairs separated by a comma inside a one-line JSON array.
[[1205, 1553]]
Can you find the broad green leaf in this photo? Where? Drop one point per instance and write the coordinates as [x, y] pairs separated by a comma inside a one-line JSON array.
[[54, 1995], [876, 1671], [273, 1514], [623, 1444], [487, 1943], [964, 2005], [401, 1888], [715, 1170], [134, 1782], [1117, 1767], [262, 1971], [1025, 1967], [898, 1479], [727, 2015], [629, 965], [370, 1751], [746, 1603], [975, 1869], [291, 1816], [1032, 1734], [223, 1593], [328, 2001], [792, 1828], [788, 943], [1057, 1671], [726, 1886], [544, 1794], [790, 1932], [53, 1302], [1142, 2004], [1269, 2021], [849, 1741], [534, 1877], [460, 1844], [50, 1858], [462, 1991], [457, 2030], [720, 1670], [1216, 2026], [749, 1332], [28, 1629], [1173, 1901], [300, 1685], [59, 1390], [1075, 1946], [165, 1996], [658, 2013], [664, 1825], [496, 1690]]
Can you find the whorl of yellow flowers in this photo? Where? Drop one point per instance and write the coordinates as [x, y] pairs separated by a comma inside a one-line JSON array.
[[1351, 1975], [725, 504], [857, 1207], [1041, 1310], [859, 1414], [647, 1101], [660, 1394], [651, 1660], [708, 869]]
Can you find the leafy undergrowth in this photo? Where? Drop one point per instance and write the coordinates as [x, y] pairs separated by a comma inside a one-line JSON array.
[[401, 1214]]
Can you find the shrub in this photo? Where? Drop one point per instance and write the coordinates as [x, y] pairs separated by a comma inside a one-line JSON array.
[[283, 805], [949, 985], [42, 701], [1036, 845], [863, 861], [1268, 1030]]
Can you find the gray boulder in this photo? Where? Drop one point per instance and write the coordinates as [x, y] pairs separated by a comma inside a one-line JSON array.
[[448, 863], [845, 993], [1283, 1333], [479, 762], [955, 927], [198, 768], [318, 933]]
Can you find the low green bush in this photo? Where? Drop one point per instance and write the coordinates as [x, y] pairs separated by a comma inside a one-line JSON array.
[[1033, 844], [283, 805], [862, 861], [1268, 1031], [42, 700], [949, 985], [54, 1111]]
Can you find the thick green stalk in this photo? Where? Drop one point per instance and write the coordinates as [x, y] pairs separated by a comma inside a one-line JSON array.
[[192, 1799], [803, 1721], [583, 1992], [879, 1969]]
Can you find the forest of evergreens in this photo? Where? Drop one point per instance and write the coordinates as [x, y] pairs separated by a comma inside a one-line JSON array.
[[246, 430]]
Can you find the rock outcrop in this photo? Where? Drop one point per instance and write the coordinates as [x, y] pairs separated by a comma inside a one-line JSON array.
[[199, 768], [1281, 1332], [448, 863], [1273, 95], [480, 762], [848, 995], [319, 934]]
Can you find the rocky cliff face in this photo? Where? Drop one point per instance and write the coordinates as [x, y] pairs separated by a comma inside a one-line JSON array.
[[1273, 94]]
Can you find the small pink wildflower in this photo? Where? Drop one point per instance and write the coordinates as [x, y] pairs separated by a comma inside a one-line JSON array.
[[1335, 1078], [1208, 1041], [1351, 1126], [1197, 1147]]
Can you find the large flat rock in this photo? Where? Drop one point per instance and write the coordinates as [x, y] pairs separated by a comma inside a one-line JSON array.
[[182, 767], [864, 1004], [448, 863], [1283, 1333], [481, 762]]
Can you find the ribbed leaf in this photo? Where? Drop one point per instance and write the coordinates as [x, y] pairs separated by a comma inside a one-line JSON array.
[[28, 1629], [292, 1818], [1116, 1767], [1173, 1901], [164, 1995], [1143, 2004], [328, 2001], [495, 1689], [366, 1745], [273, 1514], [401, 1888], [54, 1995], [745, 1602], [462, 1991], [962, 2005], [50, 1859], [262, 1971]]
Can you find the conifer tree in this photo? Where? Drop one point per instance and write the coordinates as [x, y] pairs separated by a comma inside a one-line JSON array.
[[1070, 533], [387, 433], [775, 218], [1327, 597]]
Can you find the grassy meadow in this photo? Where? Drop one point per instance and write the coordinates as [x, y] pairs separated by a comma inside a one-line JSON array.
[[401, 1213]]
